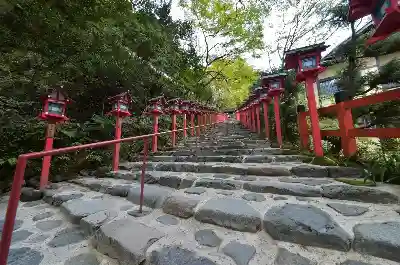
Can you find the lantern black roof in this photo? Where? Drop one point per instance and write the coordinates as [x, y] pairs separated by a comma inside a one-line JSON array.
[[270, 76], [318, 46]]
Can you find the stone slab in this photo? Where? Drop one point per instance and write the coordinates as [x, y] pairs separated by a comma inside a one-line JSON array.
[[66, 237], [240, 253], [79, 208], [306, 225], [231, 213], [285, 257], [180, 205], [347, 209], [177, 255], [90, 224], [356, 193], [282, 188], [117, 240], [378, 239], [207, 237], [154, 196]]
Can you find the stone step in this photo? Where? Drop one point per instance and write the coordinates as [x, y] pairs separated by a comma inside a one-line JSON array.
[[302, 187], [236, 145], [227, 159], [231, 228], [224, 142], [259, 169], [233, 152]]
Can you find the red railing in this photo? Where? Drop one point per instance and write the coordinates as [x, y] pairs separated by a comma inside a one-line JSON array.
[[346, 131], [22, 162]]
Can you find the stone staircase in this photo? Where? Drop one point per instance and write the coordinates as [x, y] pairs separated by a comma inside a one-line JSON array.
[[227, 198]]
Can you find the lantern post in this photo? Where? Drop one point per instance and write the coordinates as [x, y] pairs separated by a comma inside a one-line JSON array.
[[192, 111], [276, 83], [155, 109], [185, 110], [120, 109], [173, 110], [306, 61], [263, 91], [53, 111], [385, 14]]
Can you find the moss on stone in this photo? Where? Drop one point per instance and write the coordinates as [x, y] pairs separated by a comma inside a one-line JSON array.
[[356, 182]]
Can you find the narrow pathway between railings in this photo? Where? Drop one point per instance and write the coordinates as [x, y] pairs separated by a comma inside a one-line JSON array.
[[227, 198]]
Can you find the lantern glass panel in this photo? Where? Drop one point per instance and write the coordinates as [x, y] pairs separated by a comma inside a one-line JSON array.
[[275, 85], [115, 106], [309, 62], [380, 9], [123, 107], [156, 106], [56, 108]]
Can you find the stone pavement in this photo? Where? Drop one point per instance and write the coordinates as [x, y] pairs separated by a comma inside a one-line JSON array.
[[224, 199]]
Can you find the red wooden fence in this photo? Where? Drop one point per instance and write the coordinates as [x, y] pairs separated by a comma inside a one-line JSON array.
[[346, 131]]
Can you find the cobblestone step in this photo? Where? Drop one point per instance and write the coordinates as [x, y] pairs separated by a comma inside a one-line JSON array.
[[229, 228], [231, 151], [227, 159], [294, 186], [259, 169]]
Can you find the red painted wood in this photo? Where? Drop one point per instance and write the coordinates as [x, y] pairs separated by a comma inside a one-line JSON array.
[[12, 207], [378, 132], [192, 124], [44, 176], [345, 119], [266, 122], [173, 132], [258, 118], [145, 153], [253, 120], [312, 108], [278, 121], [155, 131], [117, 146], [198, 125], [303, 130], [373, 99], [184, 126]]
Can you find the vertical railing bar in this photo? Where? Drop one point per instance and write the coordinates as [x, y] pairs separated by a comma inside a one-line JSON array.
[[145, 153]]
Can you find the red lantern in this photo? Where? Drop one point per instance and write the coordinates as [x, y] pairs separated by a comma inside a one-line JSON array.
[[54, 106], [385, 14], [155, 106], [120, 104], [305, 60], [173, 106], [185, 106], [276, 83]]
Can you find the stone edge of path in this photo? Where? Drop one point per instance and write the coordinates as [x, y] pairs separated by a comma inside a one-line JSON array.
[[250, 220]]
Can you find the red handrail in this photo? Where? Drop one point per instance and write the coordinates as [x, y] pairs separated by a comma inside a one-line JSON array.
[[346, 130], [20, 171]]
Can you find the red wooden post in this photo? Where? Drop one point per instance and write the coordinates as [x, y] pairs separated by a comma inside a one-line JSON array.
[[173, 130], [145, 153], [155, 130], [278, 120], [11, 212], [44, 177], [253, 119], [345, 119], [198, 125], [303, 130], [258, 118], [266, 122], [192, 124], [184, 126], [115, 162], [312, 108]]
